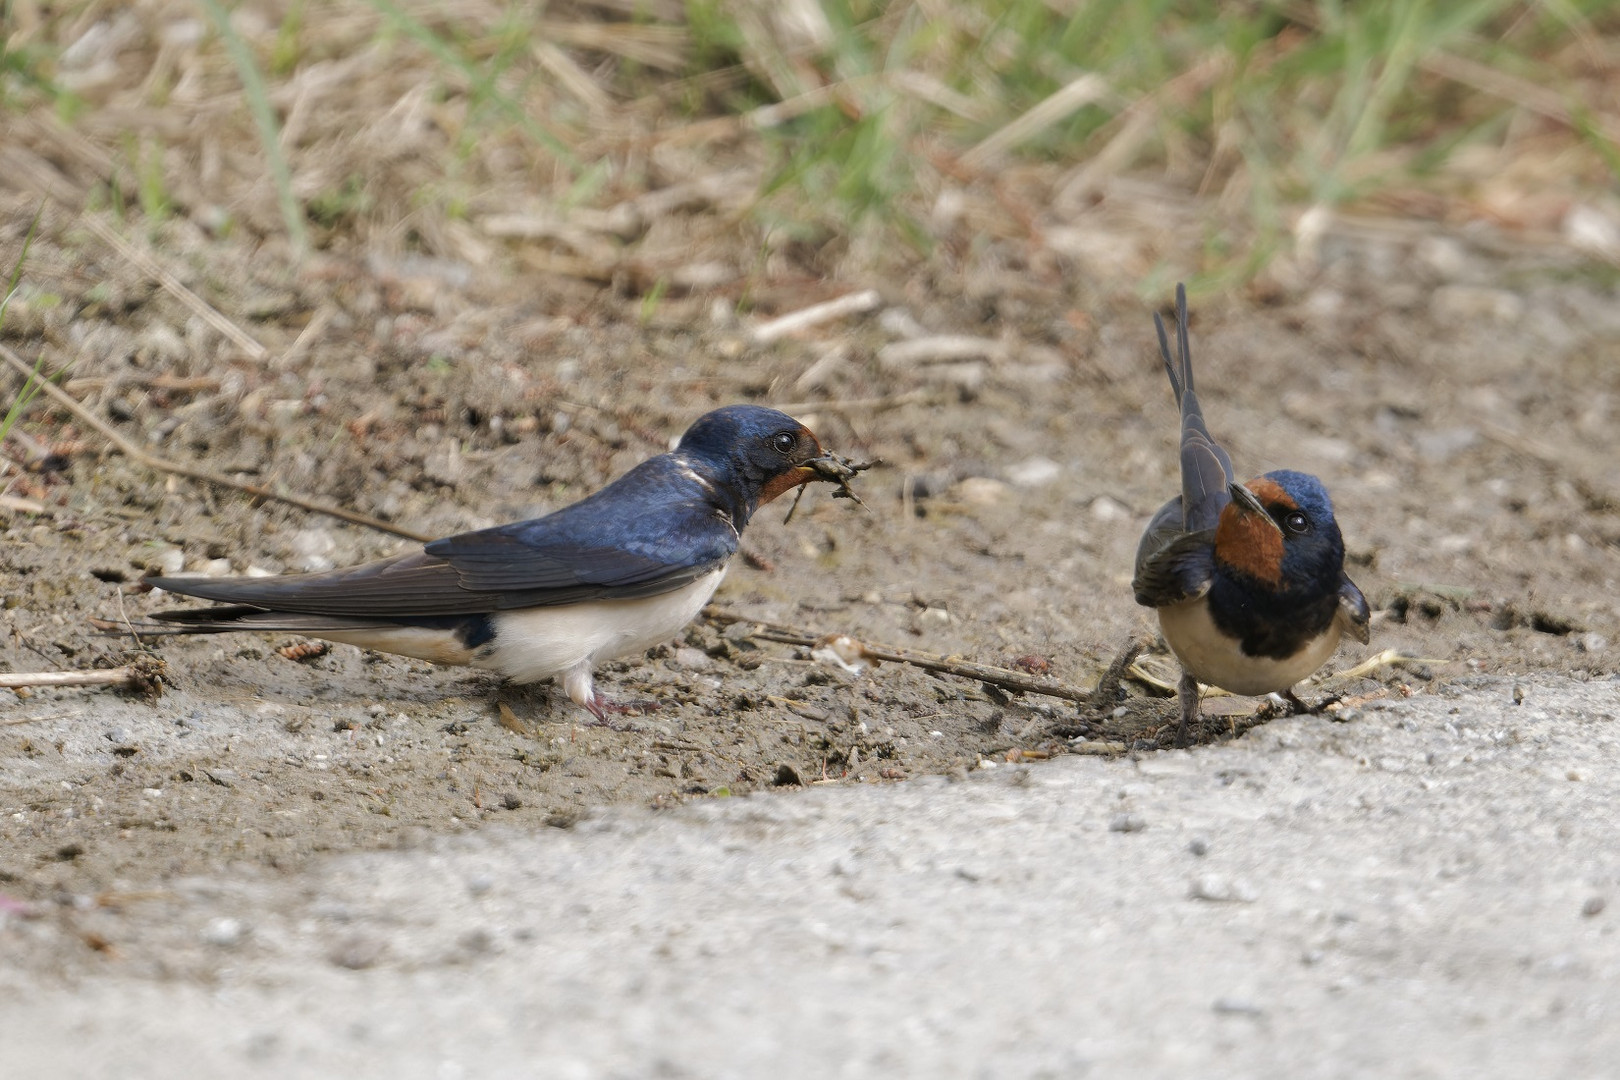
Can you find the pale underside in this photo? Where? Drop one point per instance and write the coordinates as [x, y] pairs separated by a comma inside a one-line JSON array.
[[569, 640], [1217, 660]]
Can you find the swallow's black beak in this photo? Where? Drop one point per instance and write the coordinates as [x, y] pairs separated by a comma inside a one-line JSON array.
[[1248, 504]]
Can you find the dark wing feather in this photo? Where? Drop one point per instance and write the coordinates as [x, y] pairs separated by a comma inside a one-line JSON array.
[[1172, 565], [1353, 606], [213, 620], [1206, 470], [651, 532]]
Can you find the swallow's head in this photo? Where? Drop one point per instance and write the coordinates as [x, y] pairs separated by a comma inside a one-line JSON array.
[[1279, 533], [760, 451]]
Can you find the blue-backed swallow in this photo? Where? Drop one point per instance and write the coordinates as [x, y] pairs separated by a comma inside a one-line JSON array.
[[1248, 579], [609, 576]]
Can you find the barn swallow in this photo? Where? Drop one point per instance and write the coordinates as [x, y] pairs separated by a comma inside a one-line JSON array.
[[609, 576], [1248, 579]]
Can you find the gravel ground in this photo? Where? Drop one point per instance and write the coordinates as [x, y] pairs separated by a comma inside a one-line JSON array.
[[1426, 889]]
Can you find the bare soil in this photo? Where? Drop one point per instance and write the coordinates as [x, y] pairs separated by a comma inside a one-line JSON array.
[[1454, 392]]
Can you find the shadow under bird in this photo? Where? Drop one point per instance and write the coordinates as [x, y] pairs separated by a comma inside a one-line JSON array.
[[611, 575], [1248, 579]]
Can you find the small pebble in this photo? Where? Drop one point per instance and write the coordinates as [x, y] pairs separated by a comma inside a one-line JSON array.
[[1594, 906], [1220, 890], [1035, 472], [981, 491], [1127, 823], [692, 659], [359, 952], [225, 933], [1198, 846]]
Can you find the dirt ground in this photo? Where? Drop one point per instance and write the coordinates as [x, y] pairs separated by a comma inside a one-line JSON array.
[[1454, 391]]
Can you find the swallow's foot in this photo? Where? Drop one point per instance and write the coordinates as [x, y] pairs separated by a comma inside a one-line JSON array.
[[1298, 707], [601, 708], [1187, 693]]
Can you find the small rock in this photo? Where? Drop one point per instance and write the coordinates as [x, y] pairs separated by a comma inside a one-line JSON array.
[[1236, 1007], [1591, 642], [981, 491], [1440, 446], [1108, 510], [1473, 303], [169, 560], [511, 802], [1198, 846], [225, 933], [1594, 906], [1221, 890], [118, 736], [1593, 231], [1127, 823], [312, 548], [358, 952], [1445, 256], [692, 659], [1033, 473]]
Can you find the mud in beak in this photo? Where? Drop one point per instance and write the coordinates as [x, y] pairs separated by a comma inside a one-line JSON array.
[[834, 470], [837, 470]]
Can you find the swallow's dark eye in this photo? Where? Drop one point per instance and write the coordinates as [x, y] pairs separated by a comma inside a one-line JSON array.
[[783, 442], [1297, 522]]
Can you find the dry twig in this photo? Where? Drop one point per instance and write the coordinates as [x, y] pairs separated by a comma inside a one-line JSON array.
[[857, 303], [144, 674], [1005, 678], [157, 464], [204, 310]]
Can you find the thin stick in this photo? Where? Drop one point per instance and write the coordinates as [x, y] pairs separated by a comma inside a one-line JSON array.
[[204, 310], [893, 401], [858, 303], [34, 720], [163, 465], [986, 673], [1108, 686], [12, 680]]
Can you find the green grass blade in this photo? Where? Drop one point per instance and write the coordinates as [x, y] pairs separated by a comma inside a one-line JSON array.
[[258, 99], [481, 82]]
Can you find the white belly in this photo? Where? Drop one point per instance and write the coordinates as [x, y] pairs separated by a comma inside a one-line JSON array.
[[538, 643], [1217, 660]]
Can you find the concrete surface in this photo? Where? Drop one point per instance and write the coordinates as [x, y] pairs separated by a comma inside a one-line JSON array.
[[1428, 890]]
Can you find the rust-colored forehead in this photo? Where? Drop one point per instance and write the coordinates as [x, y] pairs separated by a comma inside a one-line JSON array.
[[1271, 493]]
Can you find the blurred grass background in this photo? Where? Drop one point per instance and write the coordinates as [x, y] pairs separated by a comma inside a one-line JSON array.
[[844, 133]]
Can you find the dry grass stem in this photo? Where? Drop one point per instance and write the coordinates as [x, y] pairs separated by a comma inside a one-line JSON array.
[[858, 303], [192, 472], [173, 285], [1005, 678]]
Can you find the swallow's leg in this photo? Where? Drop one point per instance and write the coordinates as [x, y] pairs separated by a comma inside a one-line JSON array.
[[582, 691], [1298, 706], [602, 708], [1187, 694]]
